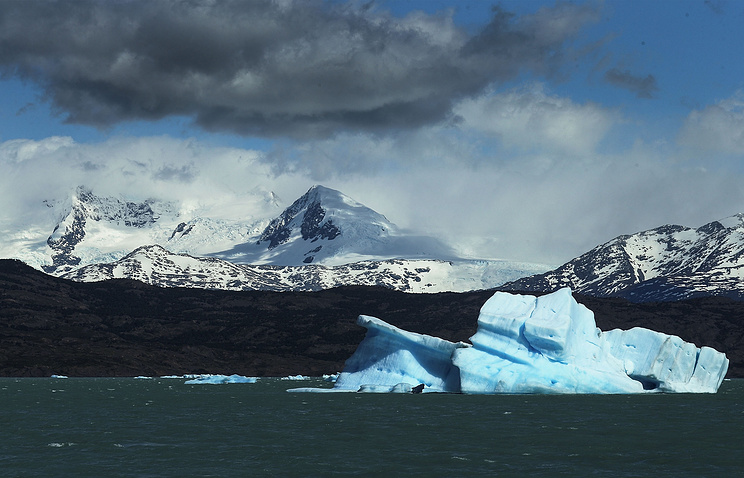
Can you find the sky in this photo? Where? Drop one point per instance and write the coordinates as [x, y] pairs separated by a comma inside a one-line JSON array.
[[525, 130]]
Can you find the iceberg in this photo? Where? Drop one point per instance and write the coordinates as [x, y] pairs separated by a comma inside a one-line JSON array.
[[390, 357], [220, 379], [528, 344]]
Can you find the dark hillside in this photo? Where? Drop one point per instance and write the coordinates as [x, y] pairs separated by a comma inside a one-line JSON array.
[[125, 328]]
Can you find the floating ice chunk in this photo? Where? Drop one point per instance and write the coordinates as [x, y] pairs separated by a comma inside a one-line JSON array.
[[220, 379], [389, 356], [59, 376], [295, 377], [525, 344], [330, 377]]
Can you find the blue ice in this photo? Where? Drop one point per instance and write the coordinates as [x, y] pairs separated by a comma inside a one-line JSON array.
[[528, 344]]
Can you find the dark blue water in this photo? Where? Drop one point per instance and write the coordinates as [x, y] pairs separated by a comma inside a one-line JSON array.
[[162, 427]]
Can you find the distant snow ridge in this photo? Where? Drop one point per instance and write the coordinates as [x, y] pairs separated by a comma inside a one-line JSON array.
[[156, 266], [661, 264]]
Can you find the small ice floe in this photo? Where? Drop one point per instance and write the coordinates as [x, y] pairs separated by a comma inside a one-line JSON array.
[[59, 376], [142, 377], [330, 377], [220, 379], [296, 377]]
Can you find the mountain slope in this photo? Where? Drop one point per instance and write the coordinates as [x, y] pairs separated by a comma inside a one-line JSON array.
[[661, 264], [321, 227], [97, 237], [327, 227], [85, 216], [89, 229], [156, 266]]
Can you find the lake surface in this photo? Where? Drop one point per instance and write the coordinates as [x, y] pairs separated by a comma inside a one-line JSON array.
[[126, 427]]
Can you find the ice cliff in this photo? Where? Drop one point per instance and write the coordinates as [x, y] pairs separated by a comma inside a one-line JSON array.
[[528, 344]]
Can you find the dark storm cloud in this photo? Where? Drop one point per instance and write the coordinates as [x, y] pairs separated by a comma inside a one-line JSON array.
[[305, 68], [642, 86]]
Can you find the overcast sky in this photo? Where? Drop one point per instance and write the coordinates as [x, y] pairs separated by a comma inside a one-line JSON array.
[[527, 130]]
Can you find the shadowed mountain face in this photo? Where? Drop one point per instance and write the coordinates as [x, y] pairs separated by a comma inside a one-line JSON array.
[[125, 328], [311, 224]]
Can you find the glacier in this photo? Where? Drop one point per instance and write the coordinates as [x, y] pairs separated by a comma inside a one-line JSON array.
[[527, 344]]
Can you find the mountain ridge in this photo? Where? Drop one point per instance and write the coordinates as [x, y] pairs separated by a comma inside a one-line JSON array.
[[666, 263], [343, 242], [155, 265]]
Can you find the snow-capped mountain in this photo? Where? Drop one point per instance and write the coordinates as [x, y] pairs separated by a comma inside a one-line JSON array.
[[323, 239], [156, 266], [94, 229], [666, 263], [323, 227], [327, 227]]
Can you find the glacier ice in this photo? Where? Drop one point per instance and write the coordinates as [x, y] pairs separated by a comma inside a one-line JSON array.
[[389, 357], [528, 344], [219, 379]]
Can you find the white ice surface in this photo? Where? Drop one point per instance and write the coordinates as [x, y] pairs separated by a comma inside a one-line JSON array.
[[389, 356], [220, 379], [526, 344]]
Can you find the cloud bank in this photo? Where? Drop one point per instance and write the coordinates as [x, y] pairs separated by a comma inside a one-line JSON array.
[[716, 128], [304, 69]]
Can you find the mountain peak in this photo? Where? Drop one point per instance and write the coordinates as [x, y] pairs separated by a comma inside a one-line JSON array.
[[308, 213], [732, 222]]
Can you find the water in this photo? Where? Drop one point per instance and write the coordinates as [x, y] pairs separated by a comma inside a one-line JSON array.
[[162, 427]]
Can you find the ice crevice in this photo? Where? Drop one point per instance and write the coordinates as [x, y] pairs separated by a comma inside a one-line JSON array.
[[528, 344]]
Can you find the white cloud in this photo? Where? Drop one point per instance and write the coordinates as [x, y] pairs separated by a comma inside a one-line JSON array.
[[718, 127], [187, 170], [19, 150], [537, 206], [529, 118]]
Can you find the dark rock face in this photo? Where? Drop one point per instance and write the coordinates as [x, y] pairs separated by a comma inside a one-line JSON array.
[[313, 228], [87, 207], [125, 328], [181, 230], [312, 225], [63, 247]]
